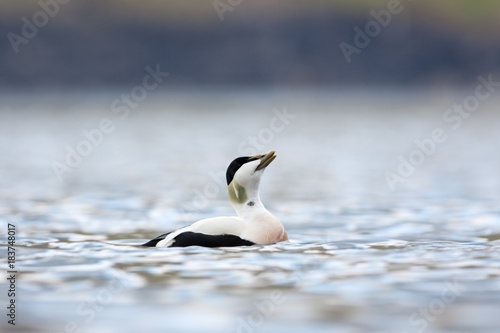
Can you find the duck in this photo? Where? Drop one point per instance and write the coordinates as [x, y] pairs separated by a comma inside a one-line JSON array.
[[253, 225]]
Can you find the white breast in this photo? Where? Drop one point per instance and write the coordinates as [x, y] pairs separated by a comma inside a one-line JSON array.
[[264, 228]]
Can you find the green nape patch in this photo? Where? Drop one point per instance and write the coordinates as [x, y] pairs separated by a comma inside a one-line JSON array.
[[237, 193]]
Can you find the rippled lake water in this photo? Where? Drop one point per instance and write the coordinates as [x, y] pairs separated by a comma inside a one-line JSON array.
[[362, 257]]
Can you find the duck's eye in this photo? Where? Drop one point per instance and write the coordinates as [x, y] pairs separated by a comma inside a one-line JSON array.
[[251, 203]]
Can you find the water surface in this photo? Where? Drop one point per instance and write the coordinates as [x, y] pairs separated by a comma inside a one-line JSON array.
[[423, 257]]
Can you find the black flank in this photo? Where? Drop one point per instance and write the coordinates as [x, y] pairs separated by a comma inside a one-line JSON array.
[[190, 238]]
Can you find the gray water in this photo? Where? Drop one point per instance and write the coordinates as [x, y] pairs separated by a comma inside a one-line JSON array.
[[422, 257]]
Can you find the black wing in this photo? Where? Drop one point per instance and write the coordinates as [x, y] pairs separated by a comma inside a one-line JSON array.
[[154, 241]]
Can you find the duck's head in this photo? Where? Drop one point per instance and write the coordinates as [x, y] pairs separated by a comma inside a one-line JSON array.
[[243, 176]]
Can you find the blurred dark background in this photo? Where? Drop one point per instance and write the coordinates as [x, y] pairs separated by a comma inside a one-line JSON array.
[[95, 43]]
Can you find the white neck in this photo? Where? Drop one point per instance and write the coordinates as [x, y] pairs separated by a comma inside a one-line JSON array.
[[245, 200]]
